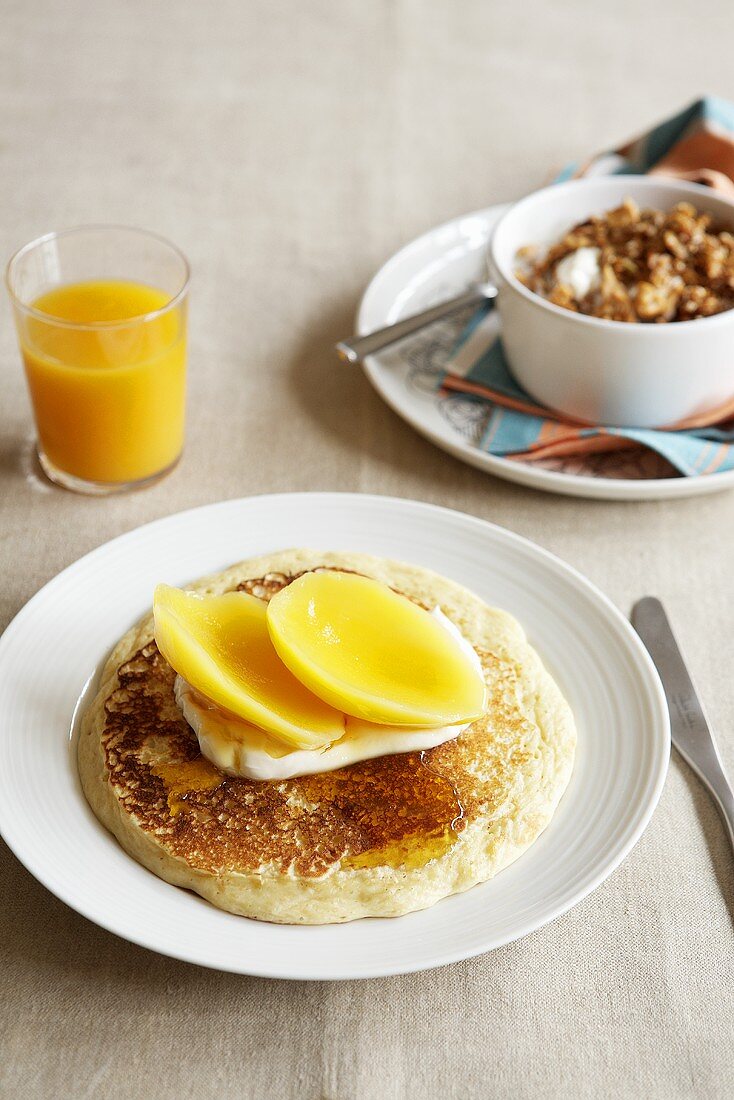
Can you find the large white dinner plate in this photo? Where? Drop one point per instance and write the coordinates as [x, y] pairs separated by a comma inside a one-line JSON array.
[[60, 637], [439, 265]]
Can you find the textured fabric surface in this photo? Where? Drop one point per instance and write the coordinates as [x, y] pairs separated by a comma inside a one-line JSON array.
[[517, 425], [290, 148]]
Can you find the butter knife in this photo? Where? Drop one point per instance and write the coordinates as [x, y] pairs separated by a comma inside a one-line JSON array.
[[691, 733]]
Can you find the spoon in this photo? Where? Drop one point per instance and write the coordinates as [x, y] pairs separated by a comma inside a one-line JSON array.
[[355, 349]]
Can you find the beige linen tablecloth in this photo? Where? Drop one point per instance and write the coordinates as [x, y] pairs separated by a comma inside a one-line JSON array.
[[290, 148]]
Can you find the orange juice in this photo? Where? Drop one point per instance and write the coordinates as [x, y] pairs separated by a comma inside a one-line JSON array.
[[107, 379]]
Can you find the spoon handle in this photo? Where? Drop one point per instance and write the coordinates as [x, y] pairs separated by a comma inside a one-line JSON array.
[[354, 350]]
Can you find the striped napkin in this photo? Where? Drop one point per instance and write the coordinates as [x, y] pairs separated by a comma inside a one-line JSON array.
[[697, 144]]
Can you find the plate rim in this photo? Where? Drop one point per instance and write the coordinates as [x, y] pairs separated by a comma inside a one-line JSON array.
[[577, 485], [659, 729]]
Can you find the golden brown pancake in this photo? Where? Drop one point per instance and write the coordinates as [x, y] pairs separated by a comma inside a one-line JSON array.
[[381, 837]]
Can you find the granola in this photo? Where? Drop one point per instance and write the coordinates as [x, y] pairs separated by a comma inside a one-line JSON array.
[[637, 265]]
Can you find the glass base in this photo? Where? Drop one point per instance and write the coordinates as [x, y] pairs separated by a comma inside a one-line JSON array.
[[97, 488]]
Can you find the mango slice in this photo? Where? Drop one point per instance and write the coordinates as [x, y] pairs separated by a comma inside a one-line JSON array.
[[373, 653], [221, 646]]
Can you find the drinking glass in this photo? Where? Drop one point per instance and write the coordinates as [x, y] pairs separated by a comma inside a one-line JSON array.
[[101, 319]]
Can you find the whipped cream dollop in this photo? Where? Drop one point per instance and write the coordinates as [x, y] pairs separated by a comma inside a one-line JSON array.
[[581, 271], [237, 748]]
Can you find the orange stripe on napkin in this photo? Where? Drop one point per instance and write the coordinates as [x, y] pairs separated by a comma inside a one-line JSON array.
[[718, 415], [575, 444], [693, 157]]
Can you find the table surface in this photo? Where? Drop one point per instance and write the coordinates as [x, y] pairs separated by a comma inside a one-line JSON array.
[[290, 147]]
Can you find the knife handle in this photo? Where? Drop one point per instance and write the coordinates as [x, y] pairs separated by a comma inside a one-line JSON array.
[[720, 788], [692, 735]]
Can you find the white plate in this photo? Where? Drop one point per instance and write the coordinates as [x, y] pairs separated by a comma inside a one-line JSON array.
[[439, 265], [58, 640]]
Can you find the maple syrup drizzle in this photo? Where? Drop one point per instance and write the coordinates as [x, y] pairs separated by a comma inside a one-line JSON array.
[[186, 777], [461, 814]]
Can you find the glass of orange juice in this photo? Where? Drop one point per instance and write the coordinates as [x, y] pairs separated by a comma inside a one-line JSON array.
[[101, 319]]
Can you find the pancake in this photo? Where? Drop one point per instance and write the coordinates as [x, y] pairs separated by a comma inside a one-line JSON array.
[[380, 838]]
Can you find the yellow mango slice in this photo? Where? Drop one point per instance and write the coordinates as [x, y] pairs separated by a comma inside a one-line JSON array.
[[221, 646], [373, 653]]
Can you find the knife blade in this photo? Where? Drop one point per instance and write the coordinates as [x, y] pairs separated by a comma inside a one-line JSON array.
[[690, 730]]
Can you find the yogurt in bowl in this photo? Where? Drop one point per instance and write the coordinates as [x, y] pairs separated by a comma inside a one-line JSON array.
[[618, 373]]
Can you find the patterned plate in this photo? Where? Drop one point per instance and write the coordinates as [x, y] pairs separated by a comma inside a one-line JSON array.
[[438, 265]]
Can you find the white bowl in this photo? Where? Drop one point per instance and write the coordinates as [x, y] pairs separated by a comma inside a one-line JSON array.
[[608, 372]]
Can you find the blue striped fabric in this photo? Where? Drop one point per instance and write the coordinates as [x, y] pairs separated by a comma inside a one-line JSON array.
[[644, 153], [692, 452]]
